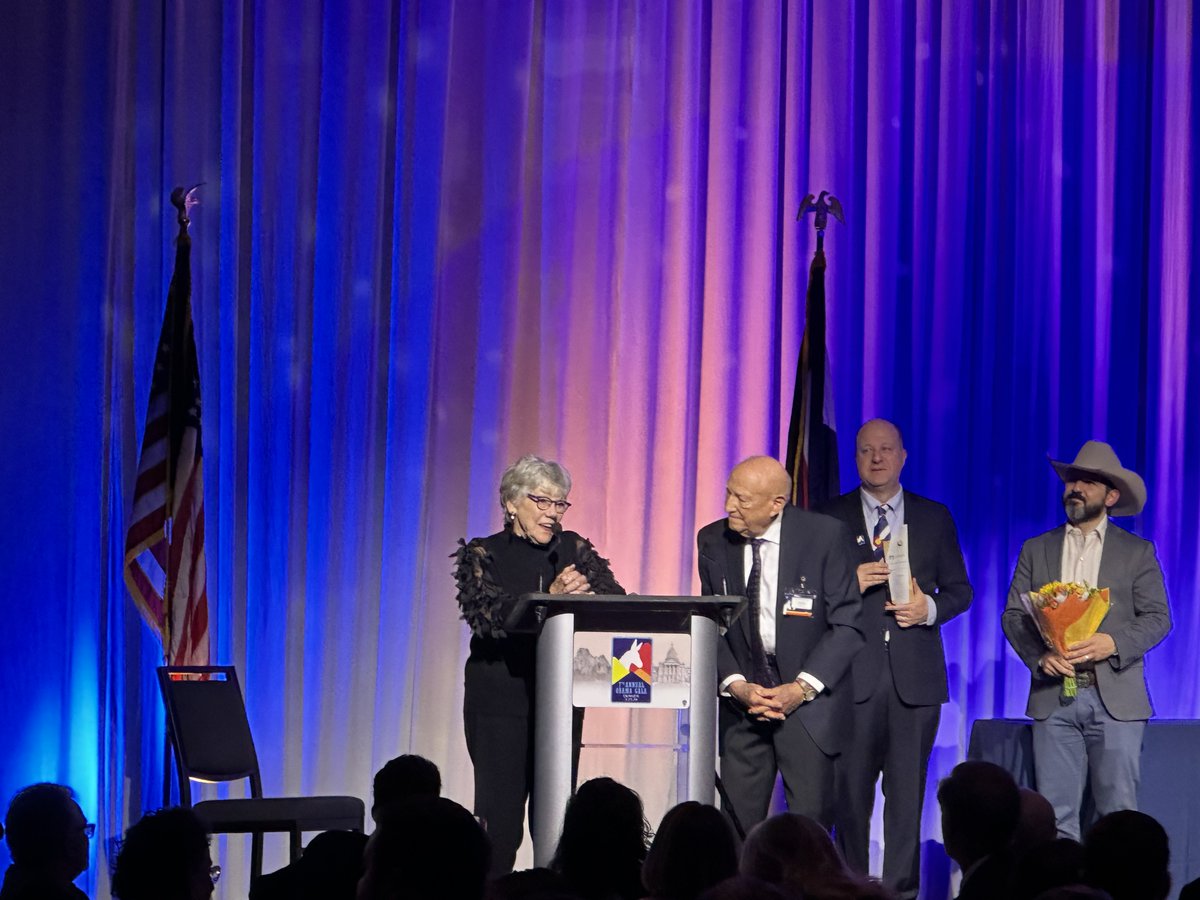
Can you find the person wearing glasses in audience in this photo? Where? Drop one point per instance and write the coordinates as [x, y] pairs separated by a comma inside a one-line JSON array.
[[47, 838], [165, 856], [531, 553]]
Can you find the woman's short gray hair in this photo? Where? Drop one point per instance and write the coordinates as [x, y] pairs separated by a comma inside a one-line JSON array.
[[528, 474]]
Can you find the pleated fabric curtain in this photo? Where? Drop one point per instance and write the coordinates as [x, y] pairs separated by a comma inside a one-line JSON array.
[[435, 236]]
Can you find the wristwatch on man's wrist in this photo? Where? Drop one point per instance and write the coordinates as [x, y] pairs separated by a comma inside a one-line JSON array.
[[810, 692]]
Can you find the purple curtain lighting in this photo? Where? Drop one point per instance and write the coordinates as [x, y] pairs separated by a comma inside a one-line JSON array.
[[435, 236]]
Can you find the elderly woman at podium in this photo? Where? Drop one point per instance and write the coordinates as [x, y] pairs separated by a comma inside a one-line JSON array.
[[531, 553]]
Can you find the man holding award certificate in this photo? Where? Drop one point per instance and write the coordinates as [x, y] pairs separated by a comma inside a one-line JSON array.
[[912, 577], [1087, 601]]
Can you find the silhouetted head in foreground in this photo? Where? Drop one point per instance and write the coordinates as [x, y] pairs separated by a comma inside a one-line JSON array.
[[47, 836], [694, 849], [603, 841], [1126, 853], [980, 809], [796, 853], [403, 778], [426, 848], [165, 856]]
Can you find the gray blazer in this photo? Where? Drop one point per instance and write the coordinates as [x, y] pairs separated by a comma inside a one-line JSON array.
[[1137, 620]]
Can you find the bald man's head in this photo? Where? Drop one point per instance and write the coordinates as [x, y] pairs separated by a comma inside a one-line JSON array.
[[880, 455], [757, 490]]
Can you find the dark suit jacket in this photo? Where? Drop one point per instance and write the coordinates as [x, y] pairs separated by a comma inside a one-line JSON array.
[[811, 546], [20, 884], [936, 560], [990, 881], [1138, 618]]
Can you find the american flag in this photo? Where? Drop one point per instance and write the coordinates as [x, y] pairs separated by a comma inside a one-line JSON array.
[[164, 547]]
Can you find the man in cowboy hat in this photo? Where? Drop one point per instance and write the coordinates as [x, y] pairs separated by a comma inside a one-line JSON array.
[[1096, 733]]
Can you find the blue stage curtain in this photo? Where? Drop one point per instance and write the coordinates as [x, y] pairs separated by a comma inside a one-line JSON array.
[[435, 236]]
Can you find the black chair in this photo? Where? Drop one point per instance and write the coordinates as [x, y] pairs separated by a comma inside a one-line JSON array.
[[210, 734]]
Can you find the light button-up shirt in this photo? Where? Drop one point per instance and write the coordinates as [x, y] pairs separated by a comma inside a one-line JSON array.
[[1082, 552], [768, 594]]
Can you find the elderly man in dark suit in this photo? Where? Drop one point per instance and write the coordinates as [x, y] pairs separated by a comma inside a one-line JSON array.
[[900, 676], [781, 664], [1091, 727]]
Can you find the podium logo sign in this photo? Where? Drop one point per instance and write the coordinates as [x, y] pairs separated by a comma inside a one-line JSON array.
[[602, 676], [632, 665]]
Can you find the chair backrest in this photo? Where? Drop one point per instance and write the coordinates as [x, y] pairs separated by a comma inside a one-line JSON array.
[[207, 726]]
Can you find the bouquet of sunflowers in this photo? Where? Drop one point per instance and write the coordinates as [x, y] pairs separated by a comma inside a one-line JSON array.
[[1066, 613]]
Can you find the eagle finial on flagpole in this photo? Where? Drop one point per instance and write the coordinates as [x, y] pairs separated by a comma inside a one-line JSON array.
[[822, 208], [183, 201]]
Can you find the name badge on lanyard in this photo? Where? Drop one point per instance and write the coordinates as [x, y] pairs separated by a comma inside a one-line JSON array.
[[799, 601]]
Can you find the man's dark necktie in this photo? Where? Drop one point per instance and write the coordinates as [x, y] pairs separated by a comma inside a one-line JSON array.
[[764, 672], [883, 532]]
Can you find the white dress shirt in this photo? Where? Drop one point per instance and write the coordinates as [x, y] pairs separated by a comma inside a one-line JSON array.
[[768, 584], [895, 519], [1082, 552], [768, 594]]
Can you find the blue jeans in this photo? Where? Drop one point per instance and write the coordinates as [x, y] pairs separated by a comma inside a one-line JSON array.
[[1079, 742]]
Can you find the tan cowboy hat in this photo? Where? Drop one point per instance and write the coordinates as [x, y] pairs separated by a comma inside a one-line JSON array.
[[1097, 459]]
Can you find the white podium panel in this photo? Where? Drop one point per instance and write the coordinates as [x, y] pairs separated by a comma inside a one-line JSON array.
[[626, 651]]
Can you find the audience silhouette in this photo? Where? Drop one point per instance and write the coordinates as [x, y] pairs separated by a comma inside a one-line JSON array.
[[531, 884], [603, 842], [1074, 892], [47, 837], [981, 807], [426, 848], [1036, 823], [332, 863], [429, 848], [165, 856], [1126, 853], [695, 848], [401, 779], [745, 887], [1045, 866], [796, 853]]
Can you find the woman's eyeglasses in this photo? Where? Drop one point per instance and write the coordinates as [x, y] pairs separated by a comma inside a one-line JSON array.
[[544, 503]]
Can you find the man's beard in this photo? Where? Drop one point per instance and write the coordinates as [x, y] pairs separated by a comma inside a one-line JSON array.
[[1081, 511]]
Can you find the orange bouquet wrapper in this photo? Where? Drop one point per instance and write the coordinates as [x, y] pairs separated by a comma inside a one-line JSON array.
[[1066, 613]]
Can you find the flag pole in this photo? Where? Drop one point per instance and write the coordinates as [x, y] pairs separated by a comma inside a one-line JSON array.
[[161, 559], [183, 201], [812, 438]]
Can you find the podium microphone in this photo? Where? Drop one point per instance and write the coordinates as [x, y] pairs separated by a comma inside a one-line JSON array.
[[556, 529]]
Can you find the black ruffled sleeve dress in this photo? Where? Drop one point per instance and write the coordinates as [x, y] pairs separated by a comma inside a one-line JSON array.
[[498, 698]]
